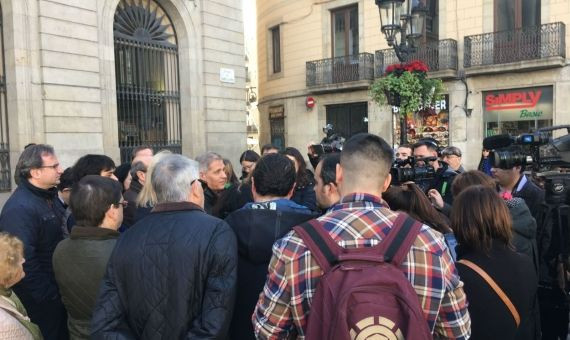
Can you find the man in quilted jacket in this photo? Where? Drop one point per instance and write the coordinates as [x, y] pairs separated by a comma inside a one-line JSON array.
[[172, 275]]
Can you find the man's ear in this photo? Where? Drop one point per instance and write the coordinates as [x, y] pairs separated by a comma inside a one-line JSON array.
[[35, 173], [387, 182], [292, 191], [339, 175], [202, 175], [141, 175], [196, 195]]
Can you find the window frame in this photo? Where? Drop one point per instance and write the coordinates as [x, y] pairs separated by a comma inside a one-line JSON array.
[[346, 9]]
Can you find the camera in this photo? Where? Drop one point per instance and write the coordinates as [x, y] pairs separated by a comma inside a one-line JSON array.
[[332, 142], [408, 170], [538, 150]]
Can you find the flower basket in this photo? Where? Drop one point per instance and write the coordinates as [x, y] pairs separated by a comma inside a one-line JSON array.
[[392, 98], [408, 87]]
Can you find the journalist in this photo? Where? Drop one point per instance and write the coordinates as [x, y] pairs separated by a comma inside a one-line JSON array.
[[444, 175]]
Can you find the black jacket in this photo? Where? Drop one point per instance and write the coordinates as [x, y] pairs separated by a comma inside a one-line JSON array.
[[524, 227], [533, 197], [210, 200], [32, 215], [514, 274], [256, 231], [129, 213], [171, 276]]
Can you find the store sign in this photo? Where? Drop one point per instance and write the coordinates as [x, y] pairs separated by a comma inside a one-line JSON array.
[[518, 104]]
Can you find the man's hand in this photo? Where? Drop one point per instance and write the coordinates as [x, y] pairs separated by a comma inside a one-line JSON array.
[[435, 198]]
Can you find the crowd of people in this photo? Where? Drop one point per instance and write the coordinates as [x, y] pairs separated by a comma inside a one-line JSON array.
[[168, 247]]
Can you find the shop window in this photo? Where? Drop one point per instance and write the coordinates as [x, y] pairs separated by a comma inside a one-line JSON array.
[[517, 111], [429, 123]]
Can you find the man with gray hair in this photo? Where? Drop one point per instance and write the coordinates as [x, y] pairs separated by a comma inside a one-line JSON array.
[[213, 176], [32, 214], [173, 274]]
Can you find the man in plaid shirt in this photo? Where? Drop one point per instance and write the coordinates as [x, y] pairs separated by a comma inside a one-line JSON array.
[[361, 219]]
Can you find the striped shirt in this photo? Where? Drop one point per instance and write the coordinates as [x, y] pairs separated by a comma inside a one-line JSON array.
[[360, 220]]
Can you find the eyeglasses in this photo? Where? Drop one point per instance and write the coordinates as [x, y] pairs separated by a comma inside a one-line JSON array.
[[54, 166], [123, 203]]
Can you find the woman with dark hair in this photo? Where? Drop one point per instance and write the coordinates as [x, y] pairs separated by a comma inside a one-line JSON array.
[[411, 199], [500, 283], [247, 160], [94, 165], [305, 181], [485, 163]]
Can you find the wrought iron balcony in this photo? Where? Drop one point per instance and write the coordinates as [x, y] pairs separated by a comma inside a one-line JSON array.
[[438, 56], [524, 44], [340, 70]]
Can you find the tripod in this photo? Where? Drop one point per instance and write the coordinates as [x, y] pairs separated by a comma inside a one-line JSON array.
[[554, 248]]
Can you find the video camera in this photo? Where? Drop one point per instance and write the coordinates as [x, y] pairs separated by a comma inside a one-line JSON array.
[[332, 142], [549, 160], [537, 150], [407, 170]]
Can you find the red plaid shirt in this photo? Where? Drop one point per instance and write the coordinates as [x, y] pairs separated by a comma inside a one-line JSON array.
[[360, 220]]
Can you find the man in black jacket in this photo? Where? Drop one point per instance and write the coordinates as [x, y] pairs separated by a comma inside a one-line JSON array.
[[32, 214], [173, 274], [444, 175], [213, 176], [257, 226]]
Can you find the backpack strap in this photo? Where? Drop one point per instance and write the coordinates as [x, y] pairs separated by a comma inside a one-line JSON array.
[[396, 245], [323, 248], [495, 288]]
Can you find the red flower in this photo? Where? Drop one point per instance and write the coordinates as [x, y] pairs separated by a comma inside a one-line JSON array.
[[412, 66]]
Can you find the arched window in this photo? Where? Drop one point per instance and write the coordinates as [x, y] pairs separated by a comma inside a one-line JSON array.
[[146, 69], [5, 182]]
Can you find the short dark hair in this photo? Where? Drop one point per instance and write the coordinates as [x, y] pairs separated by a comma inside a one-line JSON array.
[[139, 148], [91, 197], [407, 145], [274, 175], [366, 148], [429, 143], [268, 147], [137, 166], [328, 167], [470, 178], [122, 172], [479, 216], [92, 165], [249, 156], [31, 158], [65, 180], [303, 176]]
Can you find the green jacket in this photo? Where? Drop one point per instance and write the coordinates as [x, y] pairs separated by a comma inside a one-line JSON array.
[[79, 264]]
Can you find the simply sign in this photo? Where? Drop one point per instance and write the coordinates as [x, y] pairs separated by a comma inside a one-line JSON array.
[[518, 104]]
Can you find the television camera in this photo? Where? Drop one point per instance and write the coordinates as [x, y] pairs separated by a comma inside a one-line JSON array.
[[412, 169], [549, 161]]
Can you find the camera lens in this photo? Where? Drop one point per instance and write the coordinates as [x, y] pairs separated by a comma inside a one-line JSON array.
[[506, 159]]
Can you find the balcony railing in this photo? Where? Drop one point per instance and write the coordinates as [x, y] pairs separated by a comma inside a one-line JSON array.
[[437, 55], [340, 70], [527, 43]]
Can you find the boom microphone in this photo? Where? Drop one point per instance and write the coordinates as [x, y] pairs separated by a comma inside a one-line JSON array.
[[497, 142]]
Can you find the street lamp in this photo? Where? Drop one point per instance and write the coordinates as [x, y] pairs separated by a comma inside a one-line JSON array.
[[402, 22]]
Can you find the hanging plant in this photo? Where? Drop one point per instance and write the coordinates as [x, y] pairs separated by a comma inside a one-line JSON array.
[[408, 87]]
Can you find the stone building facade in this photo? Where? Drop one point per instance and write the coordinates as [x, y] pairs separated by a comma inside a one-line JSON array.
[[494, 57], [100, 76]]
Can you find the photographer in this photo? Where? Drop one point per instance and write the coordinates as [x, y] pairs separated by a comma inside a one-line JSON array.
[[444, 175], [512, 180]]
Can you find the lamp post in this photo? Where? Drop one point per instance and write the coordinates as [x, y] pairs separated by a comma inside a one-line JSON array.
[[402, 22]]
